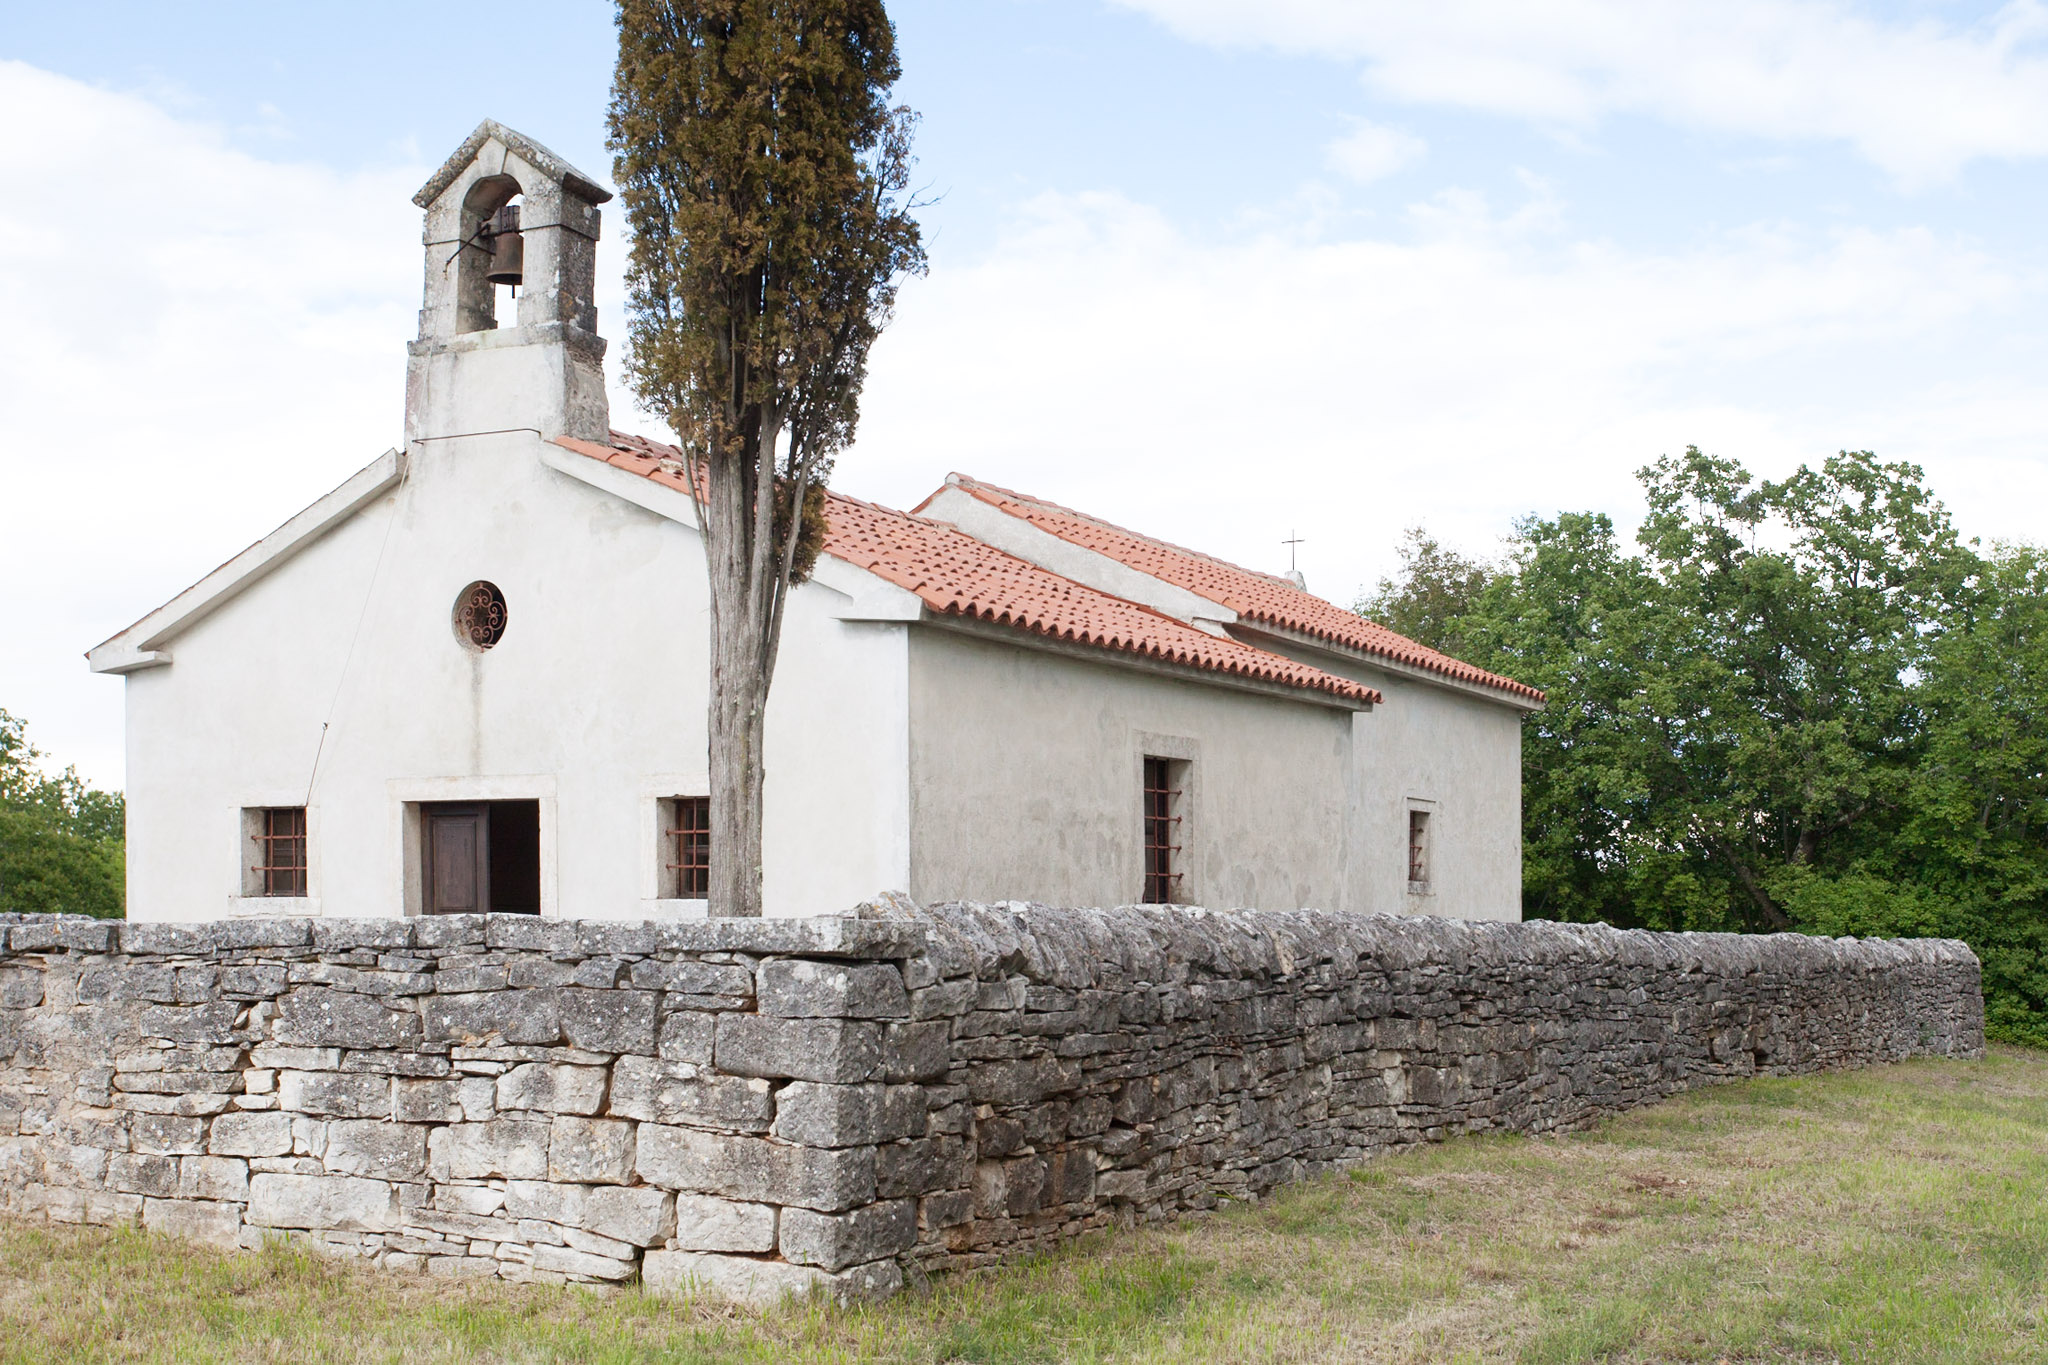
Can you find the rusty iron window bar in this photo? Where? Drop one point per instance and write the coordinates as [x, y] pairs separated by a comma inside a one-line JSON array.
[[1418, 847], [480, 615], [1162, 833], [281, 851], [690, 845]]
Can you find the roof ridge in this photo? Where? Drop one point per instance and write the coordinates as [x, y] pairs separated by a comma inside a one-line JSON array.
[[1312, 678], [1277, 580], [957, 574], [947, 528], [831, 494], [1297, 610], [834, 495]]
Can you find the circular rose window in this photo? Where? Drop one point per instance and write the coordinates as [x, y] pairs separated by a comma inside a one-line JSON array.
[[480, 615]]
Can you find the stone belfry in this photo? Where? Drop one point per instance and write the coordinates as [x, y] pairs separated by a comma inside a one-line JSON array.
[[469, 375]]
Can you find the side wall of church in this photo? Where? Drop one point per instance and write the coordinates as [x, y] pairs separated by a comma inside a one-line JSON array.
[[1026, 778], [1459, 760], [1454, 756], [338, 683]]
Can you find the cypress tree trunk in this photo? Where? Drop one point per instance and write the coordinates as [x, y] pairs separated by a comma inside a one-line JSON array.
[[739, 691], [763, 173]]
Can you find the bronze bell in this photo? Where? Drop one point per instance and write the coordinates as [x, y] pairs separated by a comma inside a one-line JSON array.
[[508, 250]]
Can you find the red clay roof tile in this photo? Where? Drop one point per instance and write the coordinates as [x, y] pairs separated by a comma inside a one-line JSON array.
[[955, 574], [1254, 596]]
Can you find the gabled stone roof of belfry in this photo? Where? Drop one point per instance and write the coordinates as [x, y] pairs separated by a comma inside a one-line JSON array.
[[955, 575], [1256, 597], [535, 154]]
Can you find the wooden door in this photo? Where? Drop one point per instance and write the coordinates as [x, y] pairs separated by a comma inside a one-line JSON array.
[[456, 842]]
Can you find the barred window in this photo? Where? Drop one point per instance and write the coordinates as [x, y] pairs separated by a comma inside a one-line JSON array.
[[1165, 789], [1418, 850], [686, 847], [279, 845]]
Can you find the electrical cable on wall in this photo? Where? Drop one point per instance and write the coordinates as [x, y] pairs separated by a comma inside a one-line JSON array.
[[376, 571]]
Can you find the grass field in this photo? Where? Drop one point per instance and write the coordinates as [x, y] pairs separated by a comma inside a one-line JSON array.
[[1897, 1214]]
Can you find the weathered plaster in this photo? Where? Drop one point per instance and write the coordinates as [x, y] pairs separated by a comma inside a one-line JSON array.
[[1025, 773], [597, 688]]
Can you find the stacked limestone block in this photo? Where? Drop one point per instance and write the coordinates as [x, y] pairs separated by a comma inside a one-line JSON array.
[[772, 1106], [1142, 1062], [478, 1095]]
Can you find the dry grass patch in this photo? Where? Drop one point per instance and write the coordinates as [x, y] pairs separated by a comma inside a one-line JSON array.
[[1899, 1213]]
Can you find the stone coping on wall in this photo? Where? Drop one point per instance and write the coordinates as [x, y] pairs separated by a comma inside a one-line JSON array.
[[1076, 947], [843, 935], [850, 1103]]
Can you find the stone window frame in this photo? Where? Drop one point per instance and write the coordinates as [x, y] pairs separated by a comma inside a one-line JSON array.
[[246, 896], [656, 791], [407, 795], [669, 832], [1432, 842], [1186, 752]]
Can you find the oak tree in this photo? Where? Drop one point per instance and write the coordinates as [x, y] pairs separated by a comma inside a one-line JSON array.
[[61, 841], [1794, 704]]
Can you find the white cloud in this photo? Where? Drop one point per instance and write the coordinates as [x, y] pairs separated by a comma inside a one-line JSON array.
[[1371, 152], [1476, 365], [1918, 98], [197, 343], [200, 342]]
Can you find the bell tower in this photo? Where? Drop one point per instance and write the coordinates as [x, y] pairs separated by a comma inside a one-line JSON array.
[[467, 374]]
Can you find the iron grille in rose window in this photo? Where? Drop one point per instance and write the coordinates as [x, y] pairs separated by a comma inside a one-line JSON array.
[[480, 615]]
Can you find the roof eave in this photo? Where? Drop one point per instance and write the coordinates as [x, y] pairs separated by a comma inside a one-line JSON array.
[[1337, 649], [589, 463], [140, 645], [1026, 638], [1237, 621], [869, 596]]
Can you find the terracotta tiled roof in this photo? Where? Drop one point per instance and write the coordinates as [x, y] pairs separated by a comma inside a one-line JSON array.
[[956, 575], [1254, 596]]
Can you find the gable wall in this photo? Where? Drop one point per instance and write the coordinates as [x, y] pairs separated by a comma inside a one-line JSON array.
[[593, 703], [1458, 757], [1026, 780]]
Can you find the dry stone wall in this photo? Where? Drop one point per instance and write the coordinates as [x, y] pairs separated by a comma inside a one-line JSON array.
[[1147, 1061], [467, 1095], [773, 1106]]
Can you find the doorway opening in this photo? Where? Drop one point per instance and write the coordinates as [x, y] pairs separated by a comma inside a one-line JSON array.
[[480, 857]]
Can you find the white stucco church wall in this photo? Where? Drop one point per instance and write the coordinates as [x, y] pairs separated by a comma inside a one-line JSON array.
[[592, 704], [1457, 760], [925, 731], [1024, 767], [1450, 751]]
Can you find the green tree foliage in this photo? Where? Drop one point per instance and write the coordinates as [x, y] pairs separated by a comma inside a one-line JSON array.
[[763, 173], [60, 840], [1803, 704], [1434, 589]]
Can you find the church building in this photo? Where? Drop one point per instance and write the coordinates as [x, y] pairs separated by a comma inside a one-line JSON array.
[[993, 696]]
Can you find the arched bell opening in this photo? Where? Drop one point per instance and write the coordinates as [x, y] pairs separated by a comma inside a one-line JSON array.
[[491, 259]]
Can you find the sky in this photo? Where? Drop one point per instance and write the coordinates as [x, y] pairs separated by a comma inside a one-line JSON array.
[[1226, 272]]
